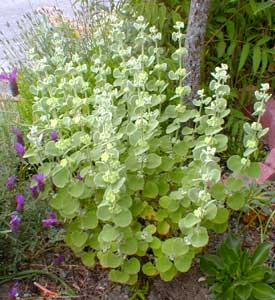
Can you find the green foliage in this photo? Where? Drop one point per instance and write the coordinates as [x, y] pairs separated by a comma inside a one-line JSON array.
[[163, 15], [234, 274], [242, 36], [16, 247], [239, 34], [134, 194]]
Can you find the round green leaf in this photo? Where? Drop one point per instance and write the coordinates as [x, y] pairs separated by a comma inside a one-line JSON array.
[[132, 279], [181, 148], [236, 201], [163, 186], [59, 199], [118, 276], [109, 259], [51, 150], [153, 161], [234, 184], [103, 213], [253, 170], [211, 211], [135, 182], [234, 163], [167, 164], [76, 188], [131, 266], [163, 264], [184, 262], [150, 190], [156, 243], [149, 269], [199, 237], [123, 219], [79, 238], [88, 259], [70, 206], [174, 247], [189, 221], [129, 246], [222, 216], [108, 234], [169, 275], [61, 177], [89, 220], [142, 248], [163, 227]]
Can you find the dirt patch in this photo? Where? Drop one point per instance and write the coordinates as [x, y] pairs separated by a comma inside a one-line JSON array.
[[94, 285], [183, 287]]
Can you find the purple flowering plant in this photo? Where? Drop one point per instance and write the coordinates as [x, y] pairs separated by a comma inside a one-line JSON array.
[[39, 178], [19, 144], [19, 136], [11, 78], [19, 148], [10, 183], [51, 220], [20, 201], [54, 136], [39, 186], [15, 222], [79, 177], [13, 292], [34, 191], [60, 259]]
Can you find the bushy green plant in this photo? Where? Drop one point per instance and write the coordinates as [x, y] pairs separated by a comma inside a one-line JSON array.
[[134, 194], [239, 34], [235, 274]]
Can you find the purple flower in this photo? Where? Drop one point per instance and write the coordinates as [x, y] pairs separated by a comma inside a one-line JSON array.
[[39, 178], [13, 291], [20, 200], [20, 149], [19, 136], [12, 80], [51, 215], [10, 183], [34, 191], [15, 222], [54, 136], [78, 176], [60, 259], [51, 220]]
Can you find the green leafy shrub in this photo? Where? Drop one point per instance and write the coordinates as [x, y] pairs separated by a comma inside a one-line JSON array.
[[239, 34], [235, 274], [134, 194]]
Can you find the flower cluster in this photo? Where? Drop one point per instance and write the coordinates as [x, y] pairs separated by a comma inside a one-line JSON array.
[[19, 144], [51, 220], [10, 183], [20, 200], [13, 293], [15, 222], [54, 136], [35, 189], [39, 186], [11, 78]]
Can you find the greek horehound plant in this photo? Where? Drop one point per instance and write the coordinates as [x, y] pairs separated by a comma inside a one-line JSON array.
[[137, 190]]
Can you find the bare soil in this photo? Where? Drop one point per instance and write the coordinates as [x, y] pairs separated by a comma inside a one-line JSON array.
[[183, 287], [94, 284]]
